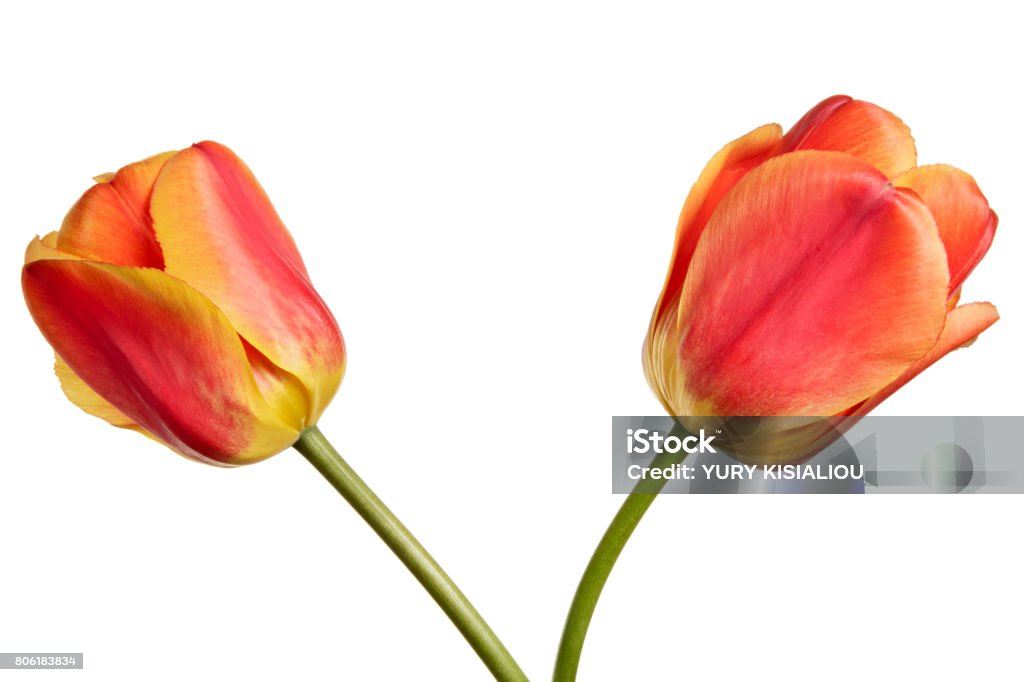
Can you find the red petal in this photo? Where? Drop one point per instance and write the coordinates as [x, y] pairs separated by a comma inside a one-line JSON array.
[[220, 233], [88, 400], [158, 352], [816, 283]]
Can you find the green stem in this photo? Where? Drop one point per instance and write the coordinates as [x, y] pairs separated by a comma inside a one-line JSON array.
[[471, 624], [601, 562]]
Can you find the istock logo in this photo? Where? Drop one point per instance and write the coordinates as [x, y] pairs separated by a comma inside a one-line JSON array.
[[642, 441]]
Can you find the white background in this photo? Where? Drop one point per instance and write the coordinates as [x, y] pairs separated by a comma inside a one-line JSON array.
[[486, 197]]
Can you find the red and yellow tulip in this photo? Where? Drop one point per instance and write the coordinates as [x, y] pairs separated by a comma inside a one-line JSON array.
[[816, 272], [178, 305]]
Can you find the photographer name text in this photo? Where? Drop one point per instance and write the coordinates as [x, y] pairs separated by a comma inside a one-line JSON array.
[[749, 472]]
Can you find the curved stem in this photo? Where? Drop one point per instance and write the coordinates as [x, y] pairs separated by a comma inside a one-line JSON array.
[[601, 562], [322, 455]]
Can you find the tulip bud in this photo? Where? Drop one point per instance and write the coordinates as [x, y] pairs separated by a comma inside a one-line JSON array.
[[178, 306], [816, 272]]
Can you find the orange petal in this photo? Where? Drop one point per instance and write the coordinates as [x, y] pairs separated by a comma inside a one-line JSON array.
[[816, 283], [111, 222], [41, 248], [963, 325], [220, 234], [158, 352], [867, 131], [723, 171], [966, 223]]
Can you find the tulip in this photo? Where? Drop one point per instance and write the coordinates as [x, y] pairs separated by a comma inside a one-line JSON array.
[[816, 272], [178, 306]]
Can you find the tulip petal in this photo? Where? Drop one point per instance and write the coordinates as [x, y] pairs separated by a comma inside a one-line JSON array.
[[815, 284], [283, 391], [45, 247], [963, 325], [110, 223], [867, 131], [220, 233], [89, 400], [966, 223], [839, 123], [723, 171], [160, 353]]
